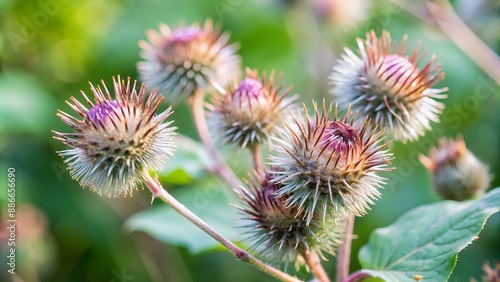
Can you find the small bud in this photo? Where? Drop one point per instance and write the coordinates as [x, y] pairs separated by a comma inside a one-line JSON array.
[[387, 85], [251, 111], [330, 164], [182, 61], [277, 232], [490, 274], [117, 139], [456, 173]]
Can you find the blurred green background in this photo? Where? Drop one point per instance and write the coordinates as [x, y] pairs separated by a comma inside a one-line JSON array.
[[50, 49]]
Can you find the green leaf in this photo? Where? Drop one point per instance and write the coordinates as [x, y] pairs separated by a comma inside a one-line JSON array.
[[426, 241], [189, 163], [208, 201]]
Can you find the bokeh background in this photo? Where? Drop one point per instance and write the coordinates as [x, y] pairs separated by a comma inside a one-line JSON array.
[[51, 49]]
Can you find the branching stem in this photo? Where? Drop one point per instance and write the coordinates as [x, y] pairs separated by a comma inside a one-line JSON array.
[[344, 253], [220, 167], [258, 166], [158, 192], [315, 264], [465, 38]]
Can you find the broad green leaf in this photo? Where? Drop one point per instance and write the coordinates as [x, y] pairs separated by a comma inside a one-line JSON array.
[[426, 241], [208, 200], [189, 163]]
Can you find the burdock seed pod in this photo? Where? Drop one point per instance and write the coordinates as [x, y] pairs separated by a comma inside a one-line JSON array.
[[117, 139], [386, 83], [329, 162], [277, 233], [456, 173], [251, 111], [187, 59]]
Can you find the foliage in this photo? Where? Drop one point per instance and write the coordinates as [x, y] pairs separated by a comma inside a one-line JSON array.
[[85, 237], [438, 233]]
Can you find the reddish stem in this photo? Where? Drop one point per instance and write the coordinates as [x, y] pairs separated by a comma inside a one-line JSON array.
[[344, 253]]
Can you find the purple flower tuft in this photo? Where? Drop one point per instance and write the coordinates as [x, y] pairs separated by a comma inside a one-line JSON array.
[[249, 87], [185, 34], [340, 137], [100, 112]]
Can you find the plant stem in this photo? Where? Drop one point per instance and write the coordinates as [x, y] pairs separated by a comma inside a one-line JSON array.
[[344, 253], [158, 192], [357, 277], [315, 265], [465, 38], [258, 166], [200, 122]]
